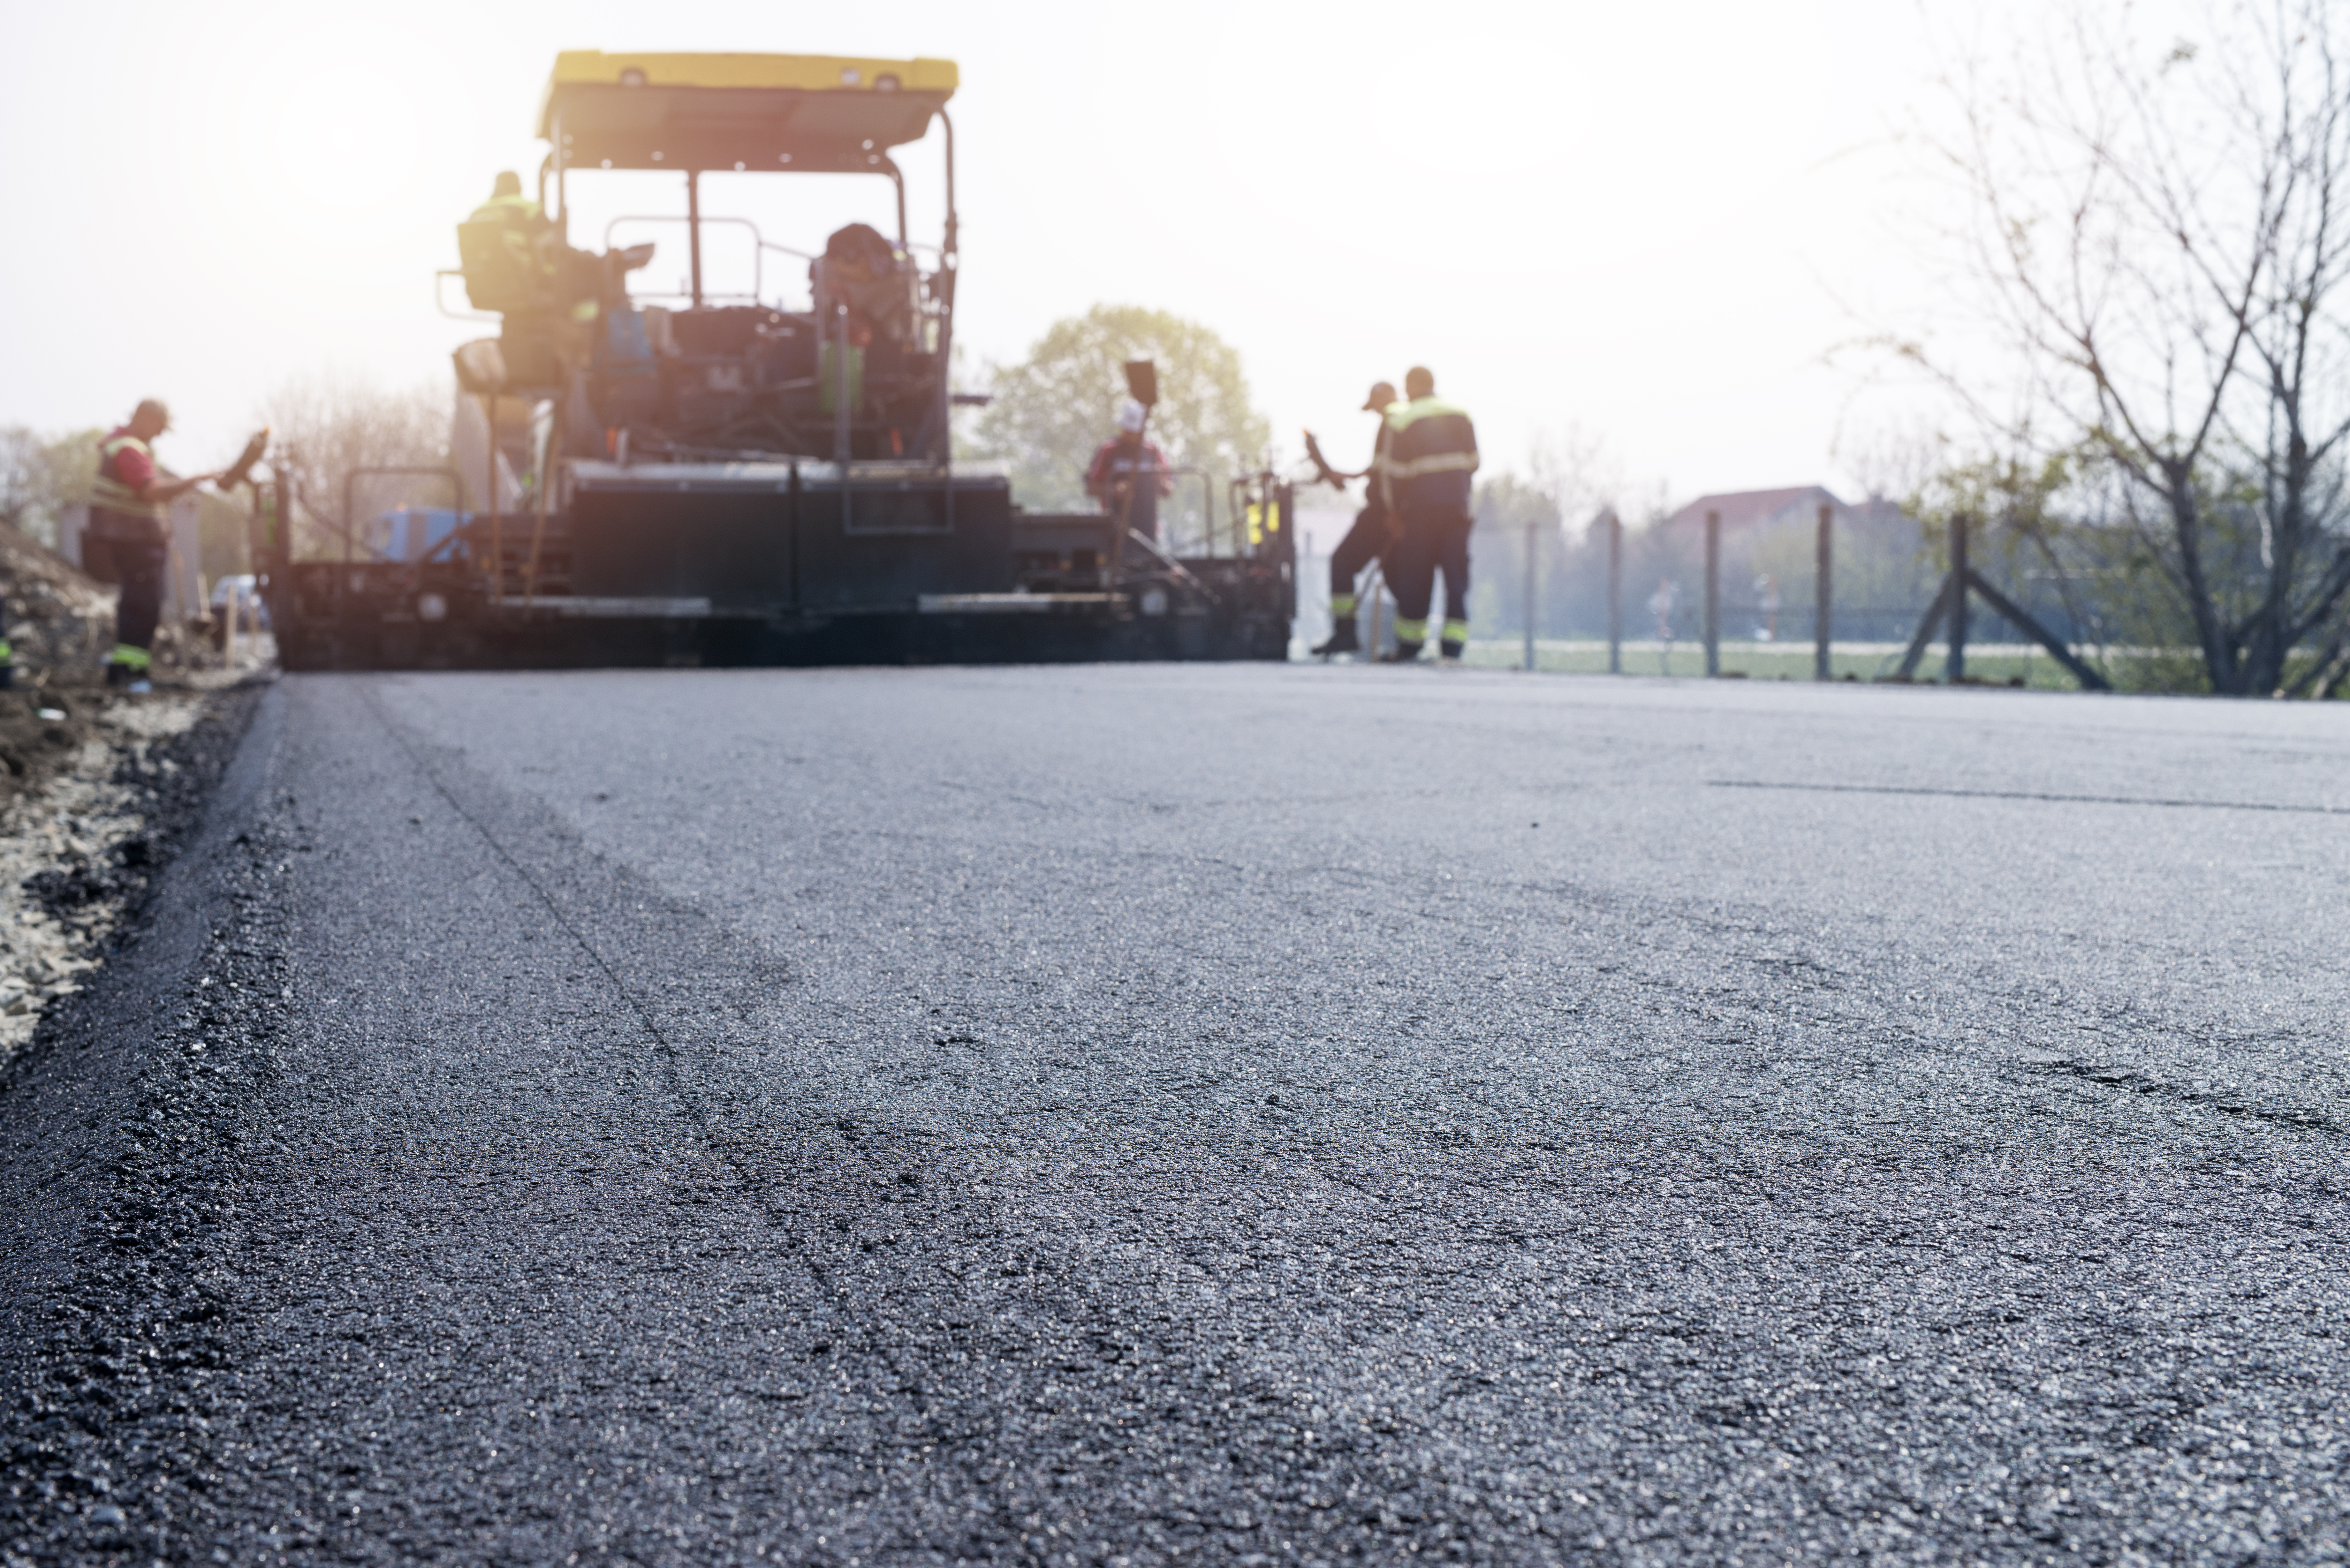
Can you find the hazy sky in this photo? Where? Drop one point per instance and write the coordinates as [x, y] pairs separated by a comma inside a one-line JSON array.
[[1649, 222]]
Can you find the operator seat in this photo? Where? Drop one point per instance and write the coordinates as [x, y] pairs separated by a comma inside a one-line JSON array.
[[873, 277]]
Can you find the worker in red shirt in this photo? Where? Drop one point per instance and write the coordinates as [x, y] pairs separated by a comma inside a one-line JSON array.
[[1119, 461], [127, 543]]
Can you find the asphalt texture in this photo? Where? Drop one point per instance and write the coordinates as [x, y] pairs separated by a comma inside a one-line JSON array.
[[1156, 1114]]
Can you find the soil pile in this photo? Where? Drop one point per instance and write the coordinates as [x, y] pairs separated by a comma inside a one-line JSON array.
[[59, 620]]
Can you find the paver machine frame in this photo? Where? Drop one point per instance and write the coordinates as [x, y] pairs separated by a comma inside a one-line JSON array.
[[727, 480]]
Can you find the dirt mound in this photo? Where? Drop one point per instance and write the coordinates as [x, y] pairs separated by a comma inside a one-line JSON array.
[[42, 731], [60, 620]]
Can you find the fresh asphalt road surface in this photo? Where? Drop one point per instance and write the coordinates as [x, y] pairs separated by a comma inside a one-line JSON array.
[[1266, 1114]]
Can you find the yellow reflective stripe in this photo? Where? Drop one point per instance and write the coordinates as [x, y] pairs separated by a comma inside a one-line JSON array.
[[129, 505], [1456, 631], [1435, 462], [499, 206], [1409, 630], [117, 496], [1342, 605], [1403, 416], [133, 657]]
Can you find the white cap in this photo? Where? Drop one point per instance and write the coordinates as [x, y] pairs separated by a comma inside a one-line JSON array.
[[1130, 415]]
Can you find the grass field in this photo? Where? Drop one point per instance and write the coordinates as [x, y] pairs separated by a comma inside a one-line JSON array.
[[1996, 663]]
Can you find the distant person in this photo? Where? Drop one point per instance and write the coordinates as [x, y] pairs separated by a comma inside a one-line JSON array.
[[1662, 604], [1767, 600], [1370, 538], [1114, 478], [1431, 461], [128, 541]]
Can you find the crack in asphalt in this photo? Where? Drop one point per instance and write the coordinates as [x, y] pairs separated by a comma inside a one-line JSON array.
[[2183, 1093], [2048, 796], [749, 1184]]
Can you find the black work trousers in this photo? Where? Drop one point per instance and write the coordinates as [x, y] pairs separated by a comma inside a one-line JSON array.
[[1433, 540], [1366, 542], [139, 567]]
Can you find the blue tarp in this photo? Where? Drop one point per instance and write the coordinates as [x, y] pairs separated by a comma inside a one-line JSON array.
[[413, 532]]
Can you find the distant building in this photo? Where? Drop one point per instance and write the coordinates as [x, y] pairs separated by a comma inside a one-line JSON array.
[[1789, 505]]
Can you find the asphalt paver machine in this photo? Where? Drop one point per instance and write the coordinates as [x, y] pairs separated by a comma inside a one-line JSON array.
[[735, 478]]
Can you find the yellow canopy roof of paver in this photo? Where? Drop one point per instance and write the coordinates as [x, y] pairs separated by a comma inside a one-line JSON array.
[[828, 112]]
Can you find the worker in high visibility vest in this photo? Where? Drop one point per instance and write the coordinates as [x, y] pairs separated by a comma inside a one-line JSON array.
[[128, 541], [516, 263], [1430, 465], [506, 250]]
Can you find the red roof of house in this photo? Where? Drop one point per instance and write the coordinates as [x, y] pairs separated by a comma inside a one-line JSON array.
[[1739, 507]]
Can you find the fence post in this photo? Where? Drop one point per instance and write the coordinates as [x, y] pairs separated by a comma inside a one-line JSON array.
[[1713, 593], [1529, 591], [1955, 669], [1824, 594], [1615, 593]]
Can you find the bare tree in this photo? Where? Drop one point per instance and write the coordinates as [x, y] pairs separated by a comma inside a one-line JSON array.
[[328, 424], [40, 475], [2161, 230], [1891, 460], [1576, 469]]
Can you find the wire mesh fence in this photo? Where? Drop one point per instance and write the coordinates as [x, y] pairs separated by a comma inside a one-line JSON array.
[[1636, 601]]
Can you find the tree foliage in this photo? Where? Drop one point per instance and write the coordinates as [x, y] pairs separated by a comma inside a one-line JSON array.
[[1053, 408]]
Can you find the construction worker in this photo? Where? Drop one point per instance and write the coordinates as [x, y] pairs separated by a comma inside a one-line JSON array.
[[551, 295], [508, 204], [1119, 461], [1367, 540], [504, 249], [1430, 460], [128, 541]]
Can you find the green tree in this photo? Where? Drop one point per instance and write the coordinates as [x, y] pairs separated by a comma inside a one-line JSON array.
[[1053, 408]]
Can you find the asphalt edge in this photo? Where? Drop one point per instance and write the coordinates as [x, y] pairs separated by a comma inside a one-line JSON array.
[[116, 1138]]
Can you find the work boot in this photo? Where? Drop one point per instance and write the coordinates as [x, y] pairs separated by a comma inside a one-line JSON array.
[[1449, 651], [1340, 640], [127, 665], [1405, 653]]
